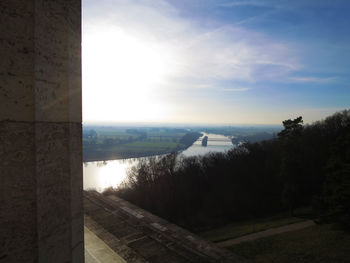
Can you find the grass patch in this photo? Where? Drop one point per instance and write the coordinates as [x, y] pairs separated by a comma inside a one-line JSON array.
[[320, 243], [238, 229]]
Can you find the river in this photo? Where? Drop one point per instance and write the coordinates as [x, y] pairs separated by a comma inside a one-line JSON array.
[[103, 174]]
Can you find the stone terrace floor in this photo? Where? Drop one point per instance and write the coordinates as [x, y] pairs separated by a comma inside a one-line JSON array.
[[117, 231]]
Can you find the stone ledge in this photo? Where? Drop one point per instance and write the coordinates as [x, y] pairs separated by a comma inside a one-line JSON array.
[[152, 238]]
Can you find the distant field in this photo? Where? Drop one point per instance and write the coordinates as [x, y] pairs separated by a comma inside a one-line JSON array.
[[320, 243], [152, 145], [107, 143]]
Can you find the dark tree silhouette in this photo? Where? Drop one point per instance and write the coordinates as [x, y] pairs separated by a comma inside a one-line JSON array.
[[291, 166], [304, 166]]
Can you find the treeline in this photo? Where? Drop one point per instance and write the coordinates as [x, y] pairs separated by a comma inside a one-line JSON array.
[[252, 138], [303, 166]]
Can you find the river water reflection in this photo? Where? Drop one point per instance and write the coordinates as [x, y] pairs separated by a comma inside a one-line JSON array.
[[103, 174]]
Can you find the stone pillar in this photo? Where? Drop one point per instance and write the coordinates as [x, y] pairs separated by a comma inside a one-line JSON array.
[[41, 214]]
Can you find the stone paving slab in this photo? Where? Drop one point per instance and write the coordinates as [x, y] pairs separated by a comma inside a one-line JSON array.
[[97, 251], [139, 236], [114, 243]]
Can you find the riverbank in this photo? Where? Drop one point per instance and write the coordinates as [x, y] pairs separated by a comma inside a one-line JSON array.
[[114, 155], [110, 171]]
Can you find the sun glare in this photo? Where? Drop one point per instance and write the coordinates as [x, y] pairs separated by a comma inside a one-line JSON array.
[[122, 76]]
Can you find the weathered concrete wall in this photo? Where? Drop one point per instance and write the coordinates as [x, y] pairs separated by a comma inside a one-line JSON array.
[[41, 214]]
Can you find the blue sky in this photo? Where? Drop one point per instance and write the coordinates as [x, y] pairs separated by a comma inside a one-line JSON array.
[[212, 61]]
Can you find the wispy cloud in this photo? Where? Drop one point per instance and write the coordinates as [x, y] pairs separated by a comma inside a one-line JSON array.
[[243, 3], [274, 4], [199, 62], [313, 79], [226, 52], [236, 89], [283, 4]]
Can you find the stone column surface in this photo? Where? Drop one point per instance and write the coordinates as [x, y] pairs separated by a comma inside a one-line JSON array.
[[41, 212]]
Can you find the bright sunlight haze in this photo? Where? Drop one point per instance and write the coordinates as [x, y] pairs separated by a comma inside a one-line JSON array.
[[214, 62]]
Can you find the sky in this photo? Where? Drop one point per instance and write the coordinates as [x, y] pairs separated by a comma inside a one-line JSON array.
[[214, 61]]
